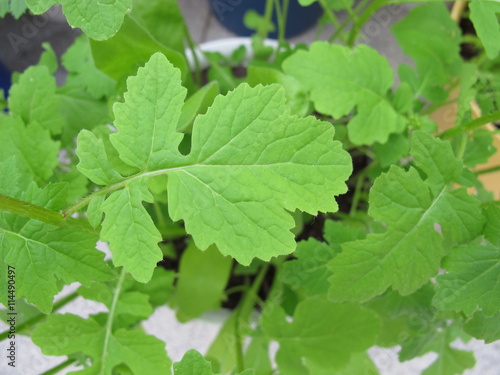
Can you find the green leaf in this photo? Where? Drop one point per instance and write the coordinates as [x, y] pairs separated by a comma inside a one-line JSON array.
[[193, 363], [197, 104], [164, 20], [43, 253], [154, 100], [202, 278], [257, 356], [479, 148], [130, 231], [83, 73], [94, 161], [451, 361], [491, 231], [120, 56], [49, 58], [250, 163], [340, 80], [437, 59], [483, 14], [469, 75], [423, 217], [296, 95], [159, 289], [32, 145], [310, 272], [67, 334], [472, 280], [359, 364], [16, 7], [319, 328], [483, 327], [392, 151], [247, 131], [33, 99], [80, 111], [129, 303], [98, 19]]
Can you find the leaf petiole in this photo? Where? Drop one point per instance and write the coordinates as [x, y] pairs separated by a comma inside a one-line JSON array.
[[39, 213]]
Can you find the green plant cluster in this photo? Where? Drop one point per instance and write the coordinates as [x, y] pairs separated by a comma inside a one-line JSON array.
[[316, 181]]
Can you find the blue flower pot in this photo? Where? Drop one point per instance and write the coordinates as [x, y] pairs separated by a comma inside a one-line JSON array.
[[4, 79], [230, 14]]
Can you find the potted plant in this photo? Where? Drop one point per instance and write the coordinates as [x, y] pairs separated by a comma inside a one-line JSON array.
[[308, 193]]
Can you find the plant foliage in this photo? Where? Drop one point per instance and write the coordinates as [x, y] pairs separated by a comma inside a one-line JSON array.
[[319, 196]]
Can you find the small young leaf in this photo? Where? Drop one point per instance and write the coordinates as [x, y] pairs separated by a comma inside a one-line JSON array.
[[83, 73], [193, 363], [437, 58], [340, 79], [35, 150], [33, 99], [319, 328]]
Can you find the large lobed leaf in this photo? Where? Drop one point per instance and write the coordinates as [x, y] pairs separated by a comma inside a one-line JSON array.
[[250, 163], [423, 217]]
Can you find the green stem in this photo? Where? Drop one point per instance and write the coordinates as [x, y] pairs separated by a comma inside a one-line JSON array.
[[462, 146], [358, 25], [192, 48], [30, 210], [281, 13], [330, 14], [31, 322], [471, 125], [109, 322], [488, 170], [268, 14], [349, 19], [123, 183], [236, 289], [59, 367], [243, 313], [359, 188], [39, 213], [349, 10]]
